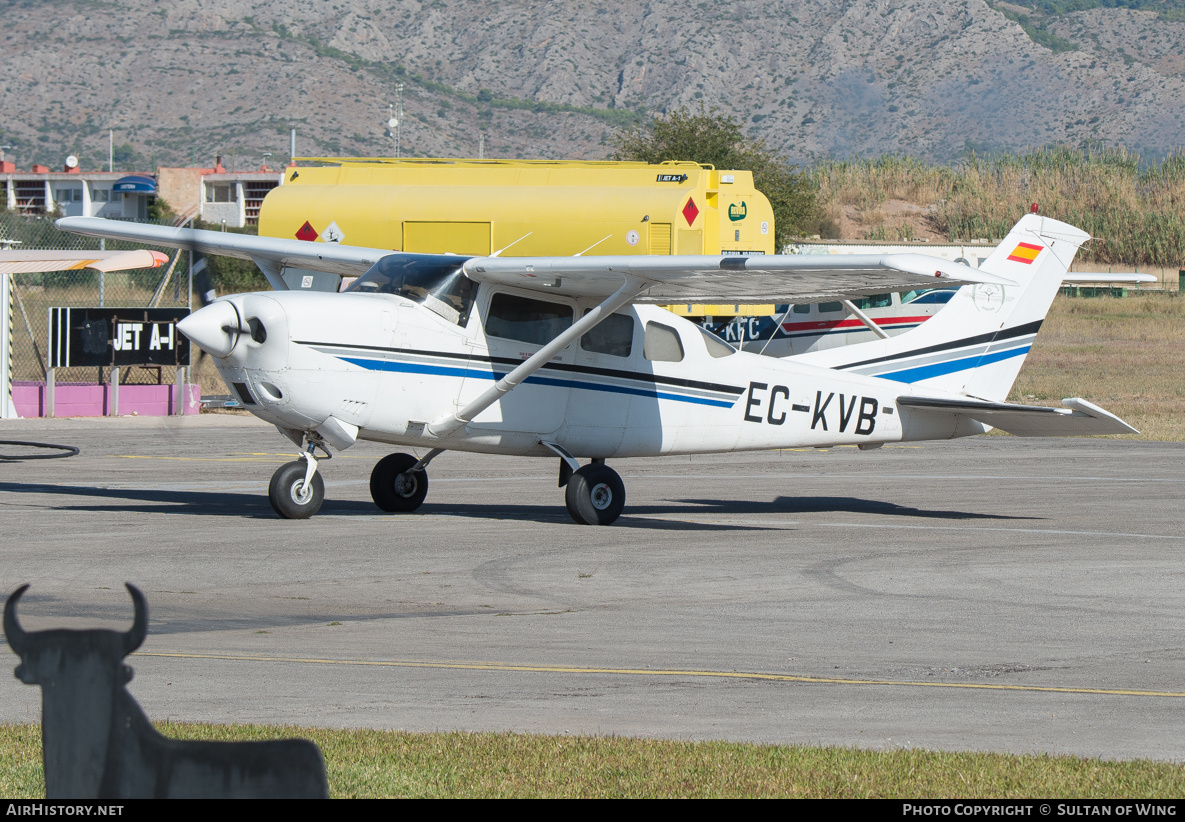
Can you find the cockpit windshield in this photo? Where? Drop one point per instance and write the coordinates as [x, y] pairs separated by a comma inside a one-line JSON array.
[[437, 284]]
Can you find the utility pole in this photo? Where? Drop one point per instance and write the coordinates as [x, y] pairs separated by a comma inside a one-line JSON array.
[[110, 150], [397, 118], [392, 128]]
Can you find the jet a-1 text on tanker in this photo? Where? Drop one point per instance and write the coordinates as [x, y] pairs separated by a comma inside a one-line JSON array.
[[571, 357]]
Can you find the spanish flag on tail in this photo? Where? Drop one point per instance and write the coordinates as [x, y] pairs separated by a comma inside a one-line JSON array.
[[1025, 253]]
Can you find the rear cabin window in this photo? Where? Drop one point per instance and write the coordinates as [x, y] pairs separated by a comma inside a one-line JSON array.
[[662, 344], [805, 308], [716, 347], [613, 336], [829, 308], [531, 321]]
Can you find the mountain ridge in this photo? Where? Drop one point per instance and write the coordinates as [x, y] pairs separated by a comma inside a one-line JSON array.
[[838, 78]]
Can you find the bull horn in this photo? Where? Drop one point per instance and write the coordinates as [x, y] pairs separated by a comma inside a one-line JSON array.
[[133, 638], [12, 629]]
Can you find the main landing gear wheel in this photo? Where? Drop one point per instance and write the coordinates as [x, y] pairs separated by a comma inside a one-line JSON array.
[[394, 487], [595, 495], [289, 495]]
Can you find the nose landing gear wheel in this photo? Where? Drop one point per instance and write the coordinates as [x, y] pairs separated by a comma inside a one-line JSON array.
[[394, 487], [595, 495], [290, 497]]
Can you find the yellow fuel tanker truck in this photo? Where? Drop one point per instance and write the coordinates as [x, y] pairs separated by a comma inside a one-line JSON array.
[[528, 207]]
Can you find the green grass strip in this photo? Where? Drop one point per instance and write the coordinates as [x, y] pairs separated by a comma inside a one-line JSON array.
[[397, 764]]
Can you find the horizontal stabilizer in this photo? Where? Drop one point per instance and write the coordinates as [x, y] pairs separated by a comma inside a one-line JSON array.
[[1077, 418], [1107, 278]]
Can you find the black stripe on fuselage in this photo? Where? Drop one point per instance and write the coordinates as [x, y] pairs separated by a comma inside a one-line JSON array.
[[990, 337], [575, 369]]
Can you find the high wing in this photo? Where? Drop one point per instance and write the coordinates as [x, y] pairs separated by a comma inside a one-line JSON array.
[[666, 279], [269, 253], [788, 278], [1078, 418], [31, 262]]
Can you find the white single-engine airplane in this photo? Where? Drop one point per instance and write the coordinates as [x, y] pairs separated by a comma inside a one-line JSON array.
[[570, 357]]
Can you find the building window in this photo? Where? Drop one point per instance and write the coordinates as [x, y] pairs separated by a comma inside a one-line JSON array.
[[101, 195], [68, 195], [221, 193]]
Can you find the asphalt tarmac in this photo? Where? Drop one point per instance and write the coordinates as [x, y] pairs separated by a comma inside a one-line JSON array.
[[988, 594]]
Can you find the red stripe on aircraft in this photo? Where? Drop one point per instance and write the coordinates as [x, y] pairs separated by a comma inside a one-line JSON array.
[[832, 325]]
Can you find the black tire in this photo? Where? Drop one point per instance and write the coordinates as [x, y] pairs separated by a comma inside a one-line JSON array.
[[287, 493], [394, 488], [595, 495]]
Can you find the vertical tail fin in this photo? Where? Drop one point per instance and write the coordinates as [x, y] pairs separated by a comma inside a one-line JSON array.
[[977, 344]]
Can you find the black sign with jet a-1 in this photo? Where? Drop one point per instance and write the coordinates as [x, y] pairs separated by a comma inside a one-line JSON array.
[[116, 337]]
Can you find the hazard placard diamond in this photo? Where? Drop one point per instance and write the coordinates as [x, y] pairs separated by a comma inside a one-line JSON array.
[[690, 212], [307, 232]]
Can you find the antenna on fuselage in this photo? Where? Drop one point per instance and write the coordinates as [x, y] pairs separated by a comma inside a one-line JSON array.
[[594, 245], [519, 240]]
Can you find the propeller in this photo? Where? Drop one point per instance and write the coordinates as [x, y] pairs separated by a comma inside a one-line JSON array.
[[203, 288]]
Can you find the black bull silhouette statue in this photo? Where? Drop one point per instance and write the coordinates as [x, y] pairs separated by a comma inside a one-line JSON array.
[[97, 741]]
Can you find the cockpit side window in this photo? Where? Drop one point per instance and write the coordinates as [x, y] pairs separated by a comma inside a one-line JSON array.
[[435, 282], [875, 301], [537, 322]]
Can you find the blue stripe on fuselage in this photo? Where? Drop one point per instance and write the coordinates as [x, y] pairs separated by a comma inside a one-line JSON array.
[[938, 369], [442, 371]]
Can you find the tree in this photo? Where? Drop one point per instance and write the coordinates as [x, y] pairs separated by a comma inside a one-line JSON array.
[[711, 137], [125, 156], [160, 211]]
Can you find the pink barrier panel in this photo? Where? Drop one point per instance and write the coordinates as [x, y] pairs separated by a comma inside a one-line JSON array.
[[92, 400], [29, 399]]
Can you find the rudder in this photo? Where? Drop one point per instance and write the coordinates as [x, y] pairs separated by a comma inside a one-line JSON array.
[[977, 344]]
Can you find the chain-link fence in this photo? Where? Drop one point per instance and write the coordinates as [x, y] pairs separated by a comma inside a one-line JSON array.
[[35, 294]]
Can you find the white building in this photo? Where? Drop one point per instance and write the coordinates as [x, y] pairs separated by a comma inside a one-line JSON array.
[[214, 195], [74, 193]]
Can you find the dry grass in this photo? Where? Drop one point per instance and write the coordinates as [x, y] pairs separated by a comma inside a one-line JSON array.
[[1133, 210], [206, 375], [1124, 354]]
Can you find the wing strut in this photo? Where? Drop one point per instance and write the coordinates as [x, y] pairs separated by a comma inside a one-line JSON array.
[[271, 270], [864, 318], [447, 423]]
